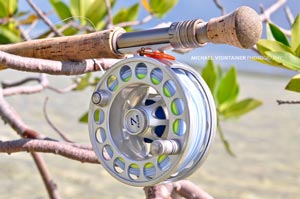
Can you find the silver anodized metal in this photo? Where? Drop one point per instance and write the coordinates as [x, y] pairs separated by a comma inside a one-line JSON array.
[[180, 35], [144, 134]]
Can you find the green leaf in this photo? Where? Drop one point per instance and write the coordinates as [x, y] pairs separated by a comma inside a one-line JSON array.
[[124, 14], [294, 84], [75, 7], [12, 6], [79, 8], [288, 60], [209, 74], [7, 36], [264, 45], [97, 11], [278, 35], [70, 31], [295, 37], [8, 7], [230, 100], [297, 51], [84, 118], [61, 9], [3, 9], [84, 82], [133, 12], [162, 7], [269, 32], [240, 108], [267, 61], [228, 88], [100, 25]]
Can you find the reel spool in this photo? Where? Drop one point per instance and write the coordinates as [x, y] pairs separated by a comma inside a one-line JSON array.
[[151, 121]]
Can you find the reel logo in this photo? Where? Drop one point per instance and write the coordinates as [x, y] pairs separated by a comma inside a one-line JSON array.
[[135, 121]]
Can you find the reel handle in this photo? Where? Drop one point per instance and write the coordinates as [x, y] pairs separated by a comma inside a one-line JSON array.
[[241, 28]]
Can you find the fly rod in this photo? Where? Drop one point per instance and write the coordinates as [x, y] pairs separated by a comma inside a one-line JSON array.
[[241, 28]]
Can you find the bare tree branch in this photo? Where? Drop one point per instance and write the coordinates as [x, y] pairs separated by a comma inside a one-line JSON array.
[[18, 83], [183, 188], [289, 15], [59, 132], [265, 16], [31, 27], [44, 18], [47, 146], [61, 29], [222, 8], [64, 90], [24, 34], [109, 14], [52, 67], [83, 28], [10, 116], [45, 174], [15, 88], [187, 189], [43, 83]]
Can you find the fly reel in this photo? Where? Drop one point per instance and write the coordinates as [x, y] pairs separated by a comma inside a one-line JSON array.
[[151, 121]]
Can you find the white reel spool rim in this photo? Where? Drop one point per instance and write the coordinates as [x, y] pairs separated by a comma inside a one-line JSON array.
[[140, 101]]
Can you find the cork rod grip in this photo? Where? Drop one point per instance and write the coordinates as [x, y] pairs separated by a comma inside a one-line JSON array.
[[71, 48], [241, 28]]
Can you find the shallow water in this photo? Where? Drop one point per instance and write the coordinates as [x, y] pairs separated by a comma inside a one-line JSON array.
[[266, 143]]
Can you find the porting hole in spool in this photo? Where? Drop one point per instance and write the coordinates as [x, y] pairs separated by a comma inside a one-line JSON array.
[[100, 135], [163, 162], [119, 165], [156, 76], [112, 83], [134, 171], [125, 73], [107, 152], [179, 127], [99, 116], [141, 71], [149, 170], [169, 88], [177, 106]]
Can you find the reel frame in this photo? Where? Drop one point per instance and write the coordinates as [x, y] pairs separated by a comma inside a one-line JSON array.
[[123, 126]]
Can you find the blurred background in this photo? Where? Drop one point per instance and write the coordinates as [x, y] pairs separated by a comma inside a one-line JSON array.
[[265, 141]]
